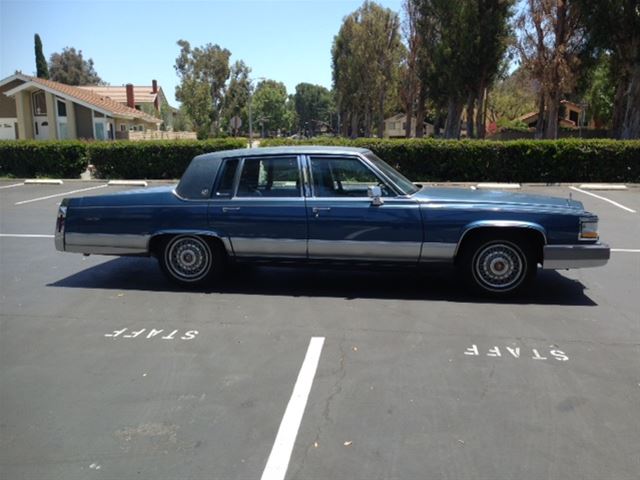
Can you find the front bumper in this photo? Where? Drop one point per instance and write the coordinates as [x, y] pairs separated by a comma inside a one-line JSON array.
[[557, 257]]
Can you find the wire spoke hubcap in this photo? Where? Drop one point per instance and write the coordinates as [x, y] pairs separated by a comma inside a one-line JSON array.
[[188, 258], [499, 266]]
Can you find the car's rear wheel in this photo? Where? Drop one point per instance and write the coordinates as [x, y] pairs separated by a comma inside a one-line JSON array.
[[190, 260], [498, 266]]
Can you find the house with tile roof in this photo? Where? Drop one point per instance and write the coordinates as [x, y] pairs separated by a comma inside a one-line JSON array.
[[147, 98], [36, 108]]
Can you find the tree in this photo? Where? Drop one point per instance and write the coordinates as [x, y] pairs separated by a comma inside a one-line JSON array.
[[42, 70], [366, 55], [203, 73], [410, 82], [551, 41], [614, 26], [312, 106], [491, 38], [511, 97], [463, 43], [601, 91], [70, 67], [270, 109], [236, 96]]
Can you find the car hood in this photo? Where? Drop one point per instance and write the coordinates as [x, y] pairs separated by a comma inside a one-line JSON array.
[[493, 197]]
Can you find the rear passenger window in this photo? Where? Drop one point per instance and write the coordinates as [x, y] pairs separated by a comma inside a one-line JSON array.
[[225, 185], [269, 177]]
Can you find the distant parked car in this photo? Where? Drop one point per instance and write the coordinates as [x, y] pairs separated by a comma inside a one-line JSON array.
[[330, 205]]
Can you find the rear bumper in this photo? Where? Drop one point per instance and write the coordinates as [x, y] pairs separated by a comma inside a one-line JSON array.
[[558, 257]]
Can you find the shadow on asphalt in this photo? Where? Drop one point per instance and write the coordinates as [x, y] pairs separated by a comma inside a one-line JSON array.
[[436, 284]]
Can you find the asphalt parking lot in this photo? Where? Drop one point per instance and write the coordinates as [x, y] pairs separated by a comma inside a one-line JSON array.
[[108, 371]]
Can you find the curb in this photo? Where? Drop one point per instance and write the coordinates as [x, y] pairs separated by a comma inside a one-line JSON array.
[[507, 186], [127, 183], [602, 186], [42, 181]]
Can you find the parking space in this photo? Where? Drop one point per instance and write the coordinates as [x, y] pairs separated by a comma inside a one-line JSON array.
[[107, 370]]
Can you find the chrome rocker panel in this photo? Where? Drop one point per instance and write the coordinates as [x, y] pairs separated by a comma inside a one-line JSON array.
[[555, 257]]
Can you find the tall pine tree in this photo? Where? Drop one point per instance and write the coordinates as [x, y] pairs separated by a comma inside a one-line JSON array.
[[42, 68]]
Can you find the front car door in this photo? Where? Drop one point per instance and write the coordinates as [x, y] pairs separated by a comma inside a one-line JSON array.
[[343, 222], [258, 203]]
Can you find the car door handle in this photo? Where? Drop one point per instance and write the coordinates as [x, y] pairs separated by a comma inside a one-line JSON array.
[[316, 210], [230, 209]]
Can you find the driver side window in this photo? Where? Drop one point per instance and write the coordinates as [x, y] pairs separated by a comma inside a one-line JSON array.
[[343, 177]]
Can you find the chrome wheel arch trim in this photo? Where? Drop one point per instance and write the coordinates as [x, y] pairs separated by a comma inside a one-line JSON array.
[[200, 233], [500, 224]]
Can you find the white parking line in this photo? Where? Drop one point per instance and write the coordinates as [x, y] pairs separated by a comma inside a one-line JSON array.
[[11, 186], [24, 235], [604, 198], [60, 194], [278, 461], [626, 250]]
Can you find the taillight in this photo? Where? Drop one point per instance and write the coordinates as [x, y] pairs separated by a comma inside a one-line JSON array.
[[62, 215]]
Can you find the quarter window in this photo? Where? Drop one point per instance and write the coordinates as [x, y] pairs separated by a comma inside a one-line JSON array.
[[343, 177], [269, 177], [225, 185]]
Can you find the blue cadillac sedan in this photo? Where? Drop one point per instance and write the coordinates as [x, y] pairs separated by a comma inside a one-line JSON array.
[[329, 206]]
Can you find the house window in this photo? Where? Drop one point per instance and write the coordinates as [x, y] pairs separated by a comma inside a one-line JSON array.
[[62, 108], [123, 127], [39, 104], [573, 116]]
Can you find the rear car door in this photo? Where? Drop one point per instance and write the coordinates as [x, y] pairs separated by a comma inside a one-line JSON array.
[[344, 224], [259, 204]]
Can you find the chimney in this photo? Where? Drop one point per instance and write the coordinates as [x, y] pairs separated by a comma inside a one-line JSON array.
[[154, 89], [131, 103]]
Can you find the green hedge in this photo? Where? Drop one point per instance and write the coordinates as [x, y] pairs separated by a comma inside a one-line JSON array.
[[549, 161], [36, 158], [567, 160], [152, 159]]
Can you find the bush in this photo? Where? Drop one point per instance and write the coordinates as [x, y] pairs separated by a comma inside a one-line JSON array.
[[152, 159], [548, 161], [36, 158]]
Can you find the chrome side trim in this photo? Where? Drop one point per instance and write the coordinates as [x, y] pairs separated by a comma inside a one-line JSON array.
[[437, 252], [362, 250], [106, 243], [575, 256], [269, 247], [500, 224]]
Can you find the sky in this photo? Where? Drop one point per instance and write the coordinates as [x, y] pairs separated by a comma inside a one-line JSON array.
[[134, 41]]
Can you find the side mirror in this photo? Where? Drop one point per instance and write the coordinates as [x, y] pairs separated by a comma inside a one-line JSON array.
[[375, 194]]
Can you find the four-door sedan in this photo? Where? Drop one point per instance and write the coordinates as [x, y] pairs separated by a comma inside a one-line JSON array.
[[330, 205]]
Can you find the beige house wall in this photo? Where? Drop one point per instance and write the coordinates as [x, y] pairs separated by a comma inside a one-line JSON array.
[[8, 104], [71, 120], [51, 115], [25, 119]]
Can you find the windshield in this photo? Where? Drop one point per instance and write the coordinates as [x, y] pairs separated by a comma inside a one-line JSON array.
[[407, 187]]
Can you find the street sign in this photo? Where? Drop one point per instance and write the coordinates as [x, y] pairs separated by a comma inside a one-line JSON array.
[[235, 122]]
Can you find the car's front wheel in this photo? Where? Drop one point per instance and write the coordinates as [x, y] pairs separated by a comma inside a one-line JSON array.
[[190, 260], [498, 266]]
